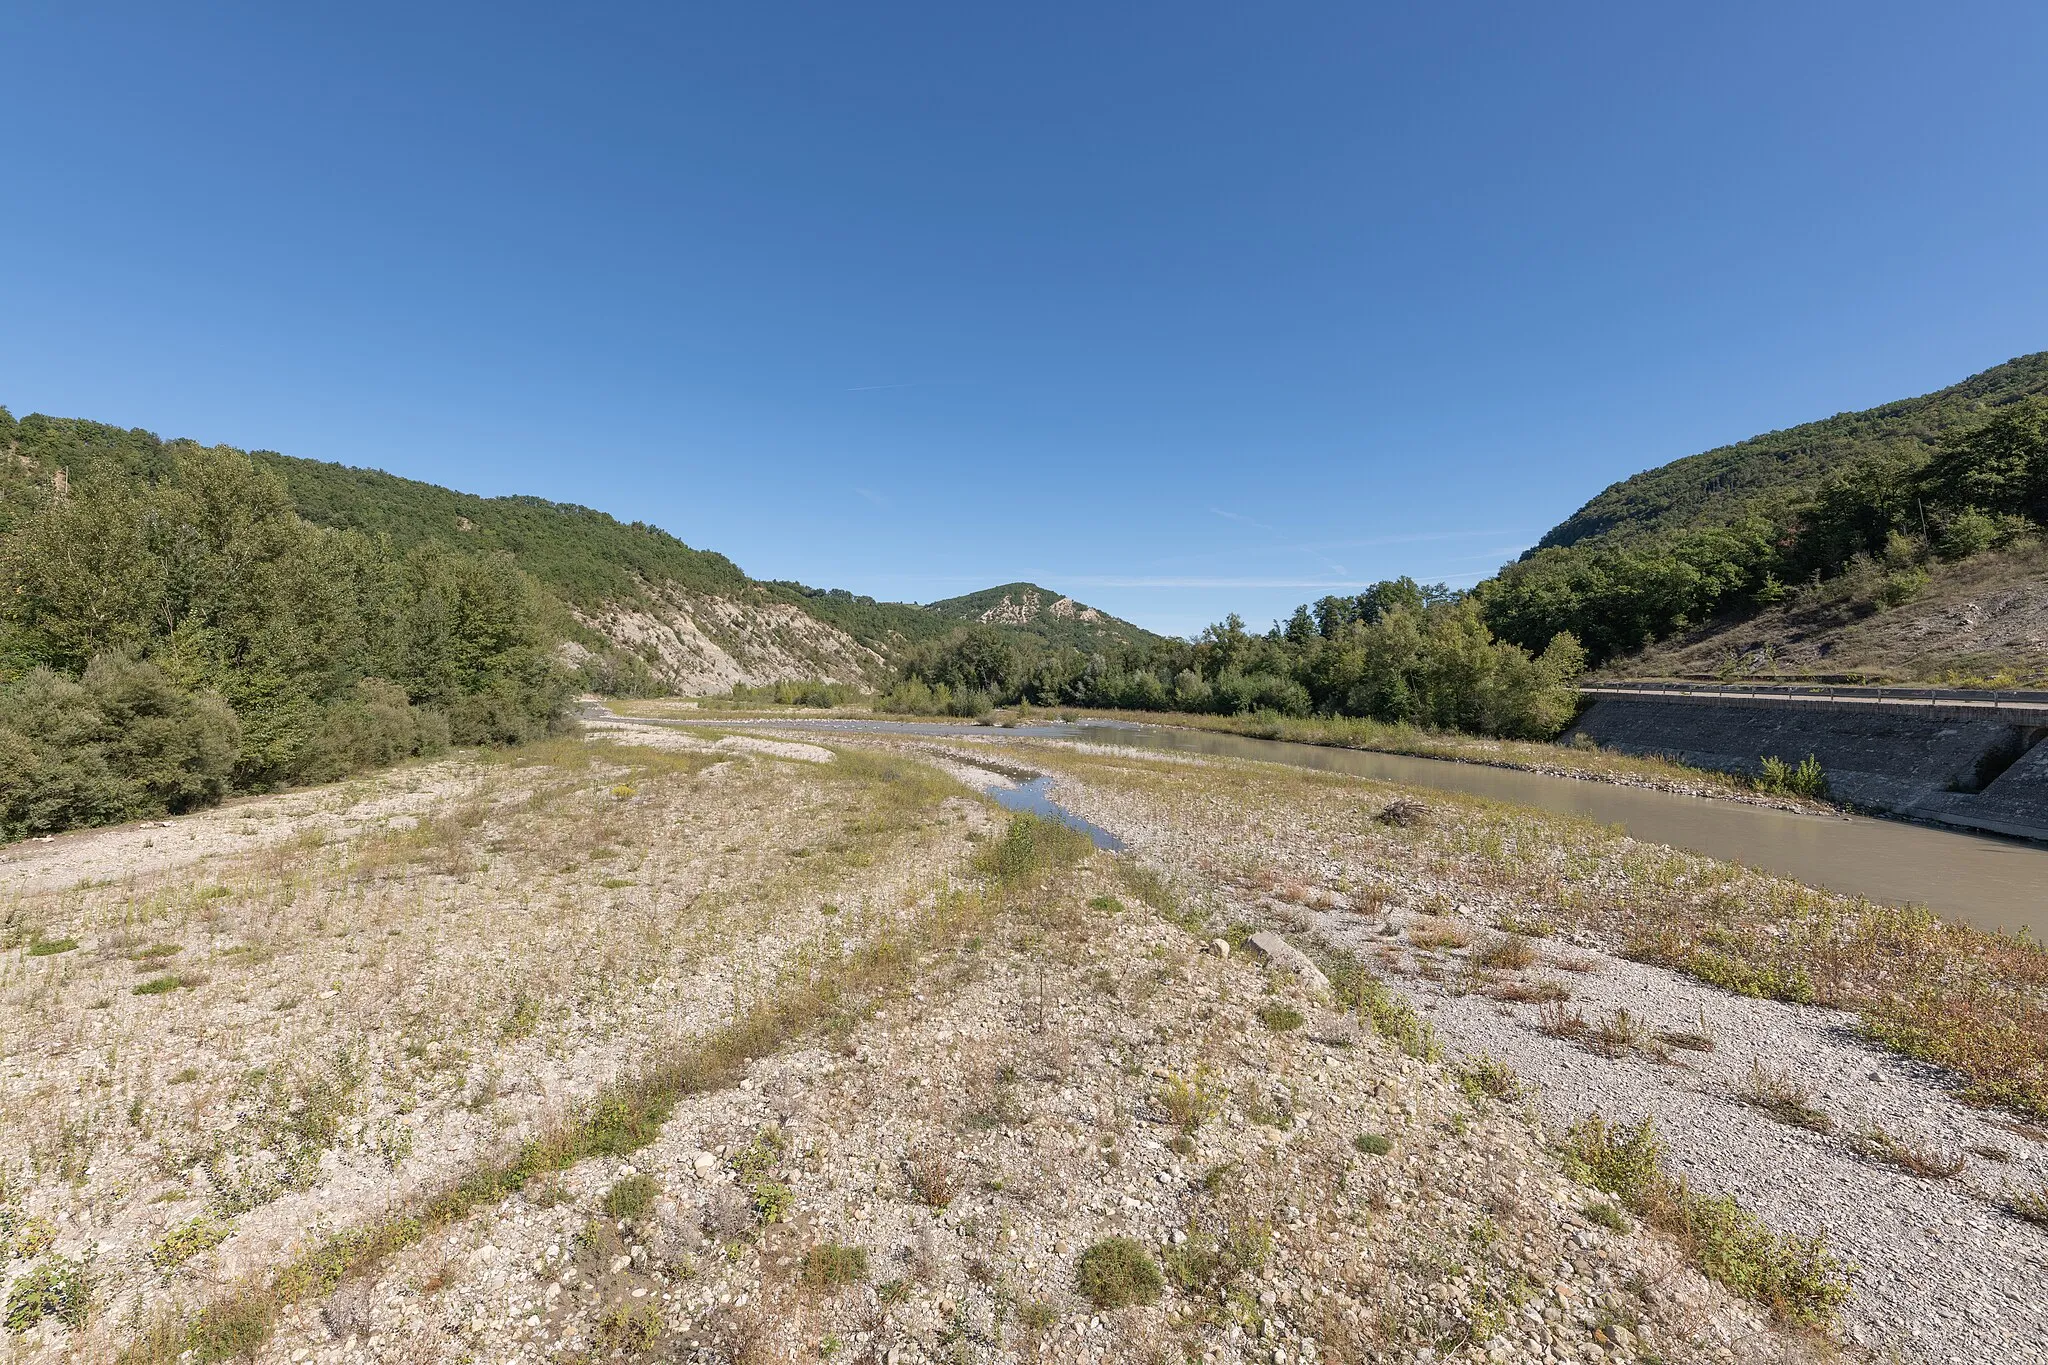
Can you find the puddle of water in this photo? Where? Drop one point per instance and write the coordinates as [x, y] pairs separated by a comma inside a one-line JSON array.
[[1035, 796]]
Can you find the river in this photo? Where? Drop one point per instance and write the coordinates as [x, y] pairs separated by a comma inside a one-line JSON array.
[[1982, 880]]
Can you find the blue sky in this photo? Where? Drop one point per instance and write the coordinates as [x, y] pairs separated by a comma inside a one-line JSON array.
[[1181, 308]]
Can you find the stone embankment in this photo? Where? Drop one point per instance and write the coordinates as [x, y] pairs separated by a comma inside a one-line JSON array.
[[1963, 758]]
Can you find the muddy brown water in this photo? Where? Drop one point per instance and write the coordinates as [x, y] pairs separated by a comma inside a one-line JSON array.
[[1985, 881]]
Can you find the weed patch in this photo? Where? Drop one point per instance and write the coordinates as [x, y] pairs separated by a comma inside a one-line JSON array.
[[1795, 1277]]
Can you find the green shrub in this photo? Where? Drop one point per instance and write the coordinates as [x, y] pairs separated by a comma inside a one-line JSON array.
[[1207, 1263], [1116, 1272], [59, 1289], [1281, 1019], [30, 1239], [630, 1328], [1489, 1079], [772, 1201], [50, 947], [171, 981], [1392, 1017], [1782, 779], [1373, 1144], [1604, 1214], [631, 1196], [833, 1265], [185, 1241], [1030, 850]]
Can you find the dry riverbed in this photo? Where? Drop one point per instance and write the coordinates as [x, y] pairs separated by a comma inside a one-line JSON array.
[[684, 1050], [1506, 929]]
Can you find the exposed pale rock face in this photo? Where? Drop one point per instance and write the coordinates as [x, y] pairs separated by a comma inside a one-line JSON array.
[[702, 645]]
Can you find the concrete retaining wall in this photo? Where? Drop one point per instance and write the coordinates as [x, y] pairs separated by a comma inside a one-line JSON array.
[[1977, 766]]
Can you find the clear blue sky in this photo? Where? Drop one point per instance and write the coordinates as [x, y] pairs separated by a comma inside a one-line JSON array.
[[1181, 308]]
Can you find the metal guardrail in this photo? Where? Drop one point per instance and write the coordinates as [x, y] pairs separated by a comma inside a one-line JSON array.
[[1980, 702]]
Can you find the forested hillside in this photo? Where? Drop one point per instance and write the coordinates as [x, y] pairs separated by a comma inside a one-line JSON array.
[[1877, 497], [172, 631], [184, 621], [1721, 484]]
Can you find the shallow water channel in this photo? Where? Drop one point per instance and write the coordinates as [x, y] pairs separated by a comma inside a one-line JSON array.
[[1982, 880]]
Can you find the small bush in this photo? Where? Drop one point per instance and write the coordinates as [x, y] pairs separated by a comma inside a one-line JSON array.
[[1206, 1263], [1035, 1315], [933, 1178], [631, 1328], [1784, 1097], [1489, 1079], [1373, 1144], [1927, 1162], [1782, 779], [630, 1197], [34, 1237], [170, 981], [58, 1289], [1604, 1214], [1392, 1017], [1187, 1104], [185, 1241], [1403, 813], [50, 947], [772, 1201], [1795, 1277], [832, 1265], [1116, 1273], [1030, 850], [2031, 1205], [523, 1017], [1281, 1018], [1508, 953]]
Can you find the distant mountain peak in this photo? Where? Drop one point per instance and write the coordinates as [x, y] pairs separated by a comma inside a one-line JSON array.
[[1025, 606]]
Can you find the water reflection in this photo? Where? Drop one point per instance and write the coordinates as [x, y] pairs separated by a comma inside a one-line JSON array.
[[1036, 796], [1983, 880]]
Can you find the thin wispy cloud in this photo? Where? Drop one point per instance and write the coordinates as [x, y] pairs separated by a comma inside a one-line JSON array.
[[1416, 538], [872, 496], [1240, 517]]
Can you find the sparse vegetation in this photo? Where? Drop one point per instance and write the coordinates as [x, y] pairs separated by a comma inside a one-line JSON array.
[[833, 1265], [628, 1328], [934, 1177], [1508, 953], [1795, 1277], [58, 1288], [1781, 1095], [185, 1241], [1925, 1160], [1188, 1102]]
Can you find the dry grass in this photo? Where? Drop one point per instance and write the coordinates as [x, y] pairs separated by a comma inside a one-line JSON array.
[[808, 996], [1971, 1001], [1795, 1277], [1926, 1160], [1784, 1097], [1507, 953]]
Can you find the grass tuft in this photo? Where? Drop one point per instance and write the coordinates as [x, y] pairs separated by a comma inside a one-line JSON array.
[[833, 1265], [630, 1197]]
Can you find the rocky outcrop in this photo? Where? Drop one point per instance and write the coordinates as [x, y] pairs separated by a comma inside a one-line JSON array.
[[699, 645]]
